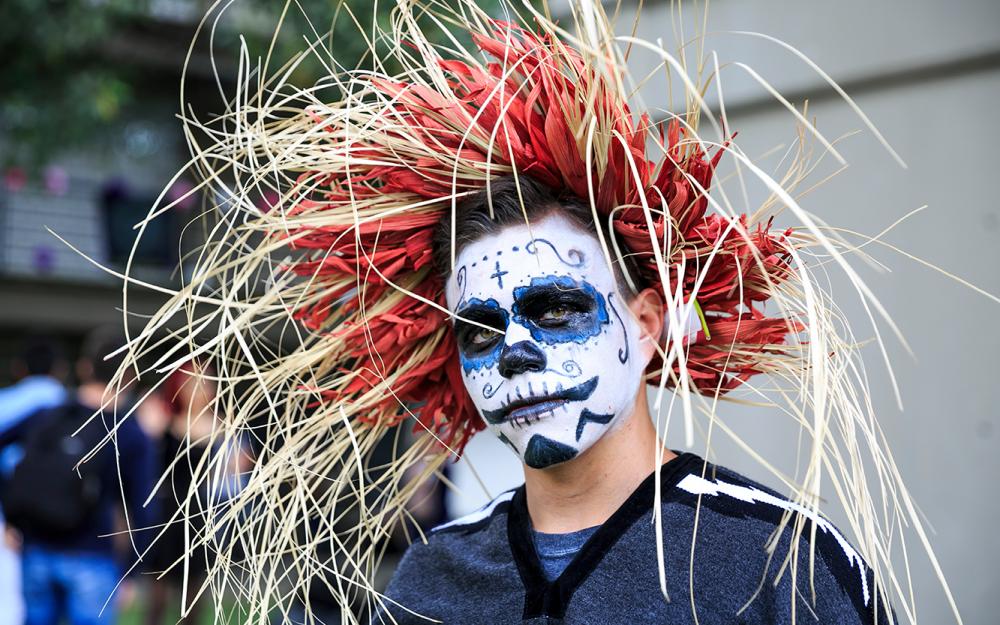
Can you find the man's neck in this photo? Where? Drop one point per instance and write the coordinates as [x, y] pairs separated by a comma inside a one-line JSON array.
[[587, 490]]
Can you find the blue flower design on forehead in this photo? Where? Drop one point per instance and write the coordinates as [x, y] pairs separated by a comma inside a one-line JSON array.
[[559, 309]]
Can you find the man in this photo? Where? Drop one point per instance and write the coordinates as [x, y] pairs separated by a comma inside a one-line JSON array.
[[554, 356], [496, 157], [70, 568], [38, 372]]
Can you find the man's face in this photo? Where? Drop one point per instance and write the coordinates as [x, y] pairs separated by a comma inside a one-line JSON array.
[[562, 363]]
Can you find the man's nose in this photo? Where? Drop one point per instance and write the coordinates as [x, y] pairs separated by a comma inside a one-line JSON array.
[[520, 357]]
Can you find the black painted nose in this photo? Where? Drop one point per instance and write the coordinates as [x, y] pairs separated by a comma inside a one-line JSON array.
[[520, 357]]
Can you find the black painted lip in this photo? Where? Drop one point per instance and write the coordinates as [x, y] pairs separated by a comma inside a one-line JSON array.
[[576, 393]]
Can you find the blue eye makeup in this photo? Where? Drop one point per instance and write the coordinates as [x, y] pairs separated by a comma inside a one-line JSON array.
[[559, 309], [479, 347]]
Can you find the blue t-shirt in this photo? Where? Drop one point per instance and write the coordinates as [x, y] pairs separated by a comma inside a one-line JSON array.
[[556, 551]]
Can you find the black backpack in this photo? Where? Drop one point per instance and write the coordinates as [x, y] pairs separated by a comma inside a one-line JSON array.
[[46, 495]]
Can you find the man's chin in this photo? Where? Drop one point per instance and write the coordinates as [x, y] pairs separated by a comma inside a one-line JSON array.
[[543, 452], [539, 447]]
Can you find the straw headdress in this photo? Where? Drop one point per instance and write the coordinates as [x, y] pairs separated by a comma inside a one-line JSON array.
[[326, 321]]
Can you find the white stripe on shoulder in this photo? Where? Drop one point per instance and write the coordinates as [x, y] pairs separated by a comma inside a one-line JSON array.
[[478, 515], [698, 485]]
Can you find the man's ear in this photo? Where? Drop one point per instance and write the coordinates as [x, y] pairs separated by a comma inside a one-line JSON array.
[[647, 308]]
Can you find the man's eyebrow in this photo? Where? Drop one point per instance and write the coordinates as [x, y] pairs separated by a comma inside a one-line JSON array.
[[477, 311], [551, 290]]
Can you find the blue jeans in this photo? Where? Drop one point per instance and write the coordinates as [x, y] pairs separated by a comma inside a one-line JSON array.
[[69, 585]]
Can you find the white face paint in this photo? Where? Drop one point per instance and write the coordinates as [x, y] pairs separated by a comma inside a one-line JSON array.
[[569, 365]]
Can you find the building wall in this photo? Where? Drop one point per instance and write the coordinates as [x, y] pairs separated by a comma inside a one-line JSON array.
[[928, 75]]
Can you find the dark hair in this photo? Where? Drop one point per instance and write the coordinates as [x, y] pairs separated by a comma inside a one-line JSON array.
[[97, 346], [473, 220], [40, 355]]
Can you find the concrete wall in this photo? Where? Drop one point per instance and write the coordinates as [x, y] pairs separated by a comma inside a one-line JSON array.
[[928, 74]]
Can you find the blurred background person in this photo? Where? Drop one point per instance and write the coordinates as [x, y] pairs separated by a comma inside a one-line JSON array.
[[153, 413], [67, 517], [39, 370], [190, 446]]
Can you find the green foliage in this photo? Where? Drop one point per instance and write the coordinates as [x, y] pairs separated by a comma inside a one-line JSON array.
[[54, 94], [64, 84]]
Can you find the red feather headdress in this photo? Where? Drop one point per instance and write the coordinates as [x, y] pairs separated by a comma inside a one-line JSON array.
[[529, 111]]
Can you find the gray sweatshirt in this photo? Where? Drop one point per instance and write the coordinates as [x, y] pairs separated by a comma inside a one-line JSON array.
[[483, 568]]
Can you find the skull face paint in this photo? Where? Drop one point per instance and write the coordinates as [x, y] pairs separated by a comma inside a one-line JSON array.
[[549, 351]]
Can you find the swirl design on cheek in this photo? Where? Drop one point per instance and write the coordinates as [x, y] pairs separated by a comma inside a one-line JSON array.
[[489, 391], [576, 256], [462, 284], [570, 369], [623, 352]]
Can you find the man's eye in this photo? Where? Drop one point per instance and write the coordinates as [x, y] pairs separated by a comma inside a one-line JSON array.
[[558, 313], [483, 336]]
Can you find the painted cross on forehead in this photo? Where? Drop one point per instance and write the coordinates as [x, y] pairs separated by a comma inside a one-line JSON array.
[[547, 346]]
